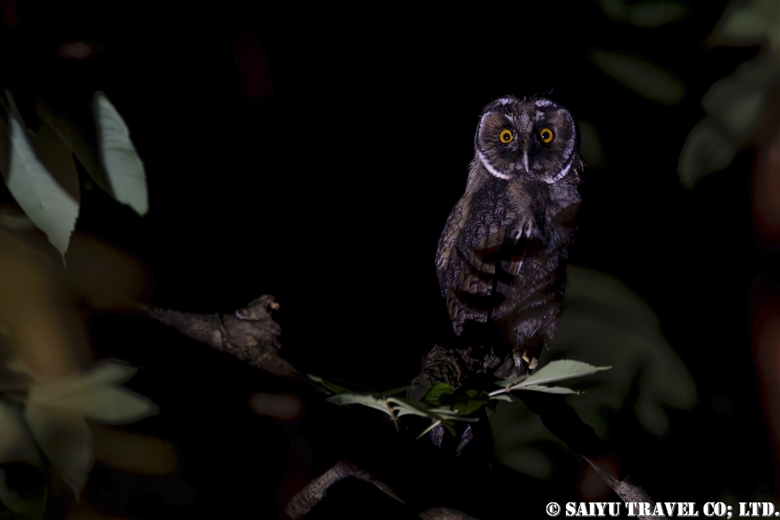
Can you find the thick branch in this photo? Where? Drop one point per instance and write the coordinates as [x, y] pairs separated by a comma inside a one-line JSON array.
[[249, 333]]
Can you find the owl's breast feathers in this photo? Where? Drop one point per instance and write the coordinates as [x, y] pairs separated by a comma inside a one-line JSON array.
[[502, 258]]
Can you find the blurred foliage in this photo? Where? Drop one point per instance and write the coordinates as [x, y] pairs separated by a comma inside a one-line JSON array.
[[36, 161], [645, 14], [736, 106], [639, 75], [52, 418], [45, 397], [602, 323]]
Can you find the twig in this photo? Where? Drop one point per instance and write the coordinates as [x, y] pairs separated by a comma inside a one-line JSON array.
[[309, 496], [444, 513], [625, 489]]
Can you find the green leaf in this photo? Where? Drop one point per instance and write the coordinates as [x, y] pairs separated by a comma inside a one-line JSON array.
[[449, 426], [347, 398], [77, 130], [395, 391], [639, 75], [616, 9], [549, 389], [435, 392], [656, 14], [512, 380], [406, 406], [469, 403], [65, 439], [706, 150], [433, 425], [45, 202], [738, 102], [55, 412], [95, 394], [560, 371], [502, 397], [119, 156], [750, 23], [333, 387]]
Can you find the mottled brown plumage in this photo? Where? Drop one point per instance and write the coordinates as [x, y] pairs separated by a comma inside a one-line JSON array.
[[501, 259]]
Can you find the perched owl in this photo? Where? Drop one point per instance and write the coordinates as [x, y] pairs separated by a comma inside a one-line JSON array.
[[501, 258]]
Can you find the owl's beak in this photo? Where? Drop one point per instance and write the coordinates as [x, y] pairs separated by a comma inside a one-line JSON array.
[[525, 162]]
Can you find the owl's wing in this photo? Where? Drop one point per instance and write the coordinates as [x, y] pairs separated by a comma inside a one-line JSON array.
[[474, 240]]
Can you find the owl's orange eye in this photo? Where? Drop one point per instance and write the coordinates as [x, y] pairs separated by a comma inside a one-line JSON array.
[[546, 135], [505, 136]]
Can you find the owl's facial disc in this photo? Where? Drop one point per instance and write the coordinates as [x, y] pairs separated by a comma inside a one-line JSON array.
[[530, 138]]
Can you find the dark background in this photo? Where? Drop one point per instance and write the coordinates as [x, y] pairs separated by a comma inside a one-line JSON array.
[[315, 155]]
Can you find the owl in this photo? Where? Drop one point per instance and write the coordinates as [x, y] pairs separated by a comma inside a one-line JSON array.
[[501, 258]]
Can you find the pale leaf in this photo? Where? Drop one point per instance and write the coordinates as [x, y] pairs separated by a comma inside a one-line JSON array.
[[548, 389], [40, 196], [560, 371], [65, 439], [96, 395], [119, 157]]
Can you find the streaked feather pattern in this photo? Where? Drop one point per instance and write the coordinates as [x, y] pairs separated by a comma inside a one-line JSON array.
[[501, 258]]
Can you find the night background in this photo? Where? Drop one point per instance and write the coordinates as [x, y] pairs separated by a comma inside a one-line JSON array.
[[315, 154]]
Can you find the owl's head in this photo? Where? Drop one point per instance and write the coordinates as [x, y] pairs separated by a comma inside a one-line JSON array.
[[533, 138]]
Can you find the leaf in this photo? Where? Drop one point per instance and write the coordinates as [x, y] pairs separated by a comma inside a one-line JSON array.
[[119, 156], [549, 389], [16, 441], [738, 102], [616, 9], [371, 401], [406, 406], [95, 395], [656, 14], [65, 439], [556, 371], [56, 412], [471, 402], [395, 391], [435, 392], [41, 197], [749, 23], [79, 133], [640, 76], [560, 371], [333, 387], [706, 150], [433, 425]]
